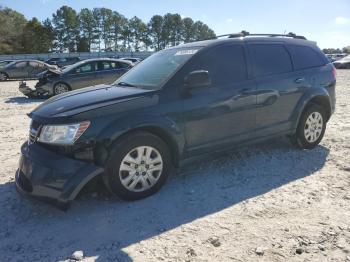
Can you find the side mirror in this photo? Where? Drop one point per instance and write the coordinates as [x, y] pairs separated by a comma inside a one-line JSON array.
[[198, 78]]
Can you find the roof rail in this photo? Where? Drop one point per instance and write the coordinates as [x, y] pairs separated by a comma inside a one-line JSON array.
[[245, 33]]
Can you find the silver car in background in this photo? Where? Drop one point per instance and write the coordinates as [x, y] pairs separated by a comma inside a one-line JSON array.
[[24, 69], [82, 74]]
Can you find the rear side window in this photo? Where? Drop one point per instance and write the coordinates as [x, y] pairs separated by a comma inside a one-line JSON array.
[[226, 64], [270, 59], [305, 57]]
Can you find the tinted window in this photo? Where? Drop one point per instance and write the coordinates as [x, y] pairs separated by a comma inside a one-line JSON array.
[[270, 59], [225, 64], [305, 57]]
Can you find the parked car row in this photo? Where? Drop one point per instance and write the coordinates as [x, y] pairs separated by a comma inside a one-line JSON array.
[[343, 63], [335, 57], [82, 74]]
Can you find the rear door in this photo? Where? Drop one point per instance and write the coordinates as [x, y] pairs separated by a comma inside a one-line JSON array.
[[223, 113], [279, 87]]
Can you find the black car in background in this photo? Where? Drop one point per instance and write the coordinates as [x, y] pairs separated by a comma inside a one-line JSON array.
[[178, 104], [64, 61]]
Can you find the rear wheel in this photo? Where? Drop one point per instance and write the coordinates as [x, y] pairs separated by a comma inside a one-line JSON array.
[[138, 167], [3, 77], [311, 127], [60, 88]]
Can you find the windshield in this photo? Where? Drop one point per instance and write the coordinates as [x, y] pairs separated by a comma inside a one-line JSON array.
[[156, 69]]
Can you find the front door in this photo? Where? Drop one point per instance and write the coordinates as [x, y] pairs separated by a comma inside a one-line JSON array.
[[84, 76], [223, 113]]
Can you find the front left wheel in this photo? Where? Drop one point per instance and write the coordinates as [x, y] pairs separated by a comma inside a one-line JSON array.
[[138, 166], [60, 88]]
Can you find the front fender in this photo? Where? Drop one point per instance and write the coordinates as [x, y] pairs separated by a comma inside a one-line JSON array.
[[163, 126]]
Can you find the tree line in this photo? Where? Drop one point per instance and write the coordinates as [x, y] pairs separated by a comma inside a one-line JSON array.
[[99, 29]]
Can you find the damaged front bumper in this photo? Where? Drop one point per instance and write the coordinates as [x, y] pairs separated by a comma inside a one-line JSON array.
[[41, 90], [45, 174]]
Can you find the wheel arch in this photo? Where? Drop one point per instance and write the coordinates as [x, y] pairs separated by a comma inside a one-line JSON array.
[[163, 134], [319, 99]]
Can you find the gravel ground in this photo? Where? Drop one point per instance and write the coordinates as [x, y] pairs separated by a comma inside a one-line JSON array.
[[267, 202]]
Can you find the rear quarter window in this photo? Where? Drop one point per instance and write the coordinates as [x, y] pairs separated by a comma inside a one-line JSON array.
[[305, 57], [270, 59]]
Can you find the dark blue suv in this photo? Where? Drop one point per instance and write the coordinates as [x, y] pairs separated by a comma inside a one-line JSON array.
[[178, 104]]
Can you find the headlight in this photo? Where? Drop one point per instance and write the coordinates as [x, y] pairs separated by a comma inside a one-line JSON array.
[[62, 134]]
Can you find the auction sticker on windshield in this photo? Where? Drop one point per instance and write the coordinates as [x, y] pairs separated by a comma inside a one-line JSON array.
[[186, 52]]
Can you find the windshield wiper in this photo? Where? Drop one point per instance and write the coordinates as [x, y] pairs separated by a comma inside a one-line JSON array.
[[125, 84]]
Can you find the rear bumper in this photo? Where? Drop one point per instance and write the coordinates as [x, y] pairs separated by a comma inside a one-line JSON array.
[[45, 174]]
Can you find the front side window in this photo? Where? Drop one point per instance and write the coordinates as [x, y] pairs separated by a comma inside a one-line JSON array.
[[154, 71], [105, 65], [226, 64], [87, 68], [270, 59], [305, 57]]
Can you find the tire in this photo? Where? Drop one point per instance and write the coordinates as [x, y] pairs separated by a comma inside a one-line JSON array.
[[3, 77], [60, 88], [131, 178], [311, 127]]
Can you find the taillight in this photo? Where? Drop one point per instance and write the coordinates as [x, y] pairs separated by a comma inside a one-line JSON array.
[[334, 71]]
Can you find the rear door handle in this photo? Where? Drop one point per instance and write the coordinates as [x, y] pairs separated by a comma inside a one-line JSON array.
[[299, 80]]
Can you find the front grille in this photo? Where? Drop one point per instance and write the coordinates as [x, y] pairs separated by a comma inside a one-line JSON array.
[[34, 131]]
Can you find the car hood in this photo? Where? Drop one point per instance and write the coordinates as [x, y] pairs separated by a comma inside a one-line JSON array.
[[50, 72], [85, 99]]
